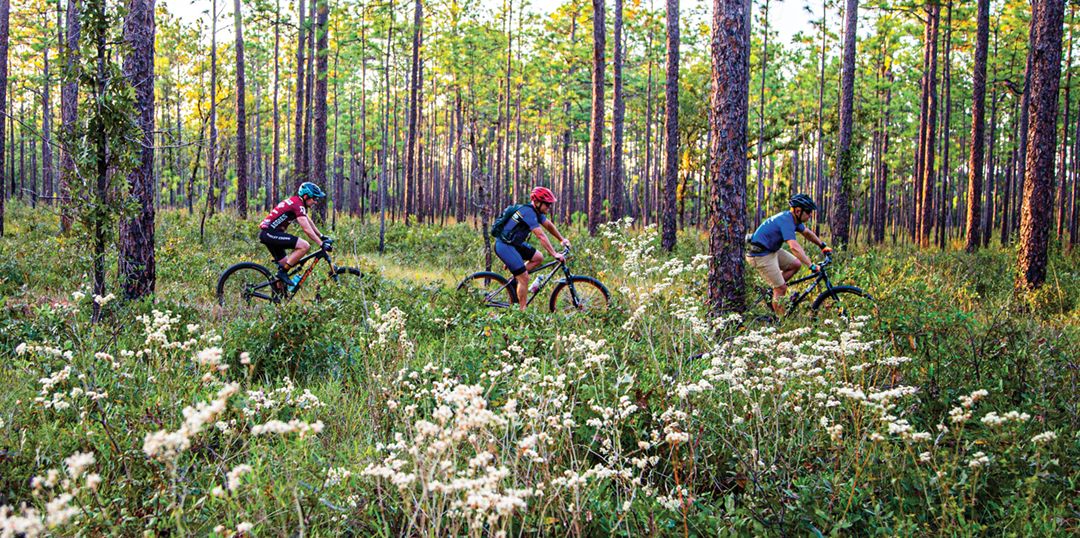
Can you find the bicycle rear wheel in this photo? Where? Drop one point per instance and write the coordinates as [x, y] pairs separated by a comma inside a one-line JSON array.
[[246, 287], [488, 289], [579, 294], [848, 303]]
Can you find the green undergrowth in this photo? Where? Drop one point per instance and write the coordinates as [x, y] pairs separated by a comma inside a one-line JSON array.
[[400, 408]]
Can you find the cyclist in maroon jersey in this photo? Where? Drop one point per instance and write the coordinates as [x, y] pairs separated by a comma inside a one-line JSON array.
[[272, 229]]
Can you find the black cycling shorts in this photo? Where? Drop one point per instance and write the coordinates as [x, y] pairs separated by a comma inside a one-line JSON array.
[[514, 256], [277, 243]]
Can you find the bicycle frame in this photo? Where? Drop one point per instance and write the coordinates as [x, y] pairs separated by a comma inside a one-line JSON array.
[[490, 298], [797, 297], [300, 266]]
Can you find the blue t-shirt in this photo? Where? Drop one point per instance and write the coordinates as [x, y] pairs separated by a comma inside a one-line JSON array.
[[523, 221], [775, 231]]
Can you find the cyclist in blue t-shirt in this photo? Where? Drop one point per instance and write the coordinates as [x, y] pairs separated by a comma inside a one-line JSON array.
[[511, 242], [772, 262]]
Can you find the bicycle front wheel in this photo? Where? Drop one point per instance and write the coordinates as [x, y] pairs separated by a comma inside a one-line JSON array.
[[579, 294], [246, 287], [346, 279], [848, 303], [488, 289]]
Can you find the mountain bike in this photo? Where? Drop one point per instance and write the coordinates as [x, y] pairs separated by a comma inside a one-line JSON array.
[[574, 293], [848, 302], [248, 286]]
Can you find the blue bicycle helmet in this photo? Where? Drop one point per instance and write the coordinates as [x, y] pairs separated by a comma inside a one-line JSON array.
[[311, 190]]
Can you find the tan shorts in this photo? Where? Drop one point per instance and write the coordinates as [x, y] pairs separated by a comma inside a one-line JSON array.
[[771, 267]]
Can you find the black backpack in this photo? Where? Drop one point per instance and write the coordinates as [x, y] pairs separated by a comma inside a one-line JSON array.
[[500, 223]]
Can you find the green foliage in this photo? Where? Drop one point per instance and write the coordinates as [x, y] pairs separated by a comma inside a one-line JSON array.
[[762, 455]]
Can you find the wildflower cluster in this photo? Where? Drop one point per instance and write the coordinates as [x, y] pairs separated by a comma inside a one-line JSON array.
[[63, 488]]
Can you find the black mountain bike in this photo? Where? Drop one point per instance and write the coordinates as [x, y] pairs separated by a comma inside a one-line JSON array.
[[847, 302], [572, 293], [248, 286]]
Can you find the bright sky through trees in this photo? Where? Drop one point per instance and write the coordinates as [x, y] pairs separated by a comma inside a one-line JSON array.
[[786, 16]]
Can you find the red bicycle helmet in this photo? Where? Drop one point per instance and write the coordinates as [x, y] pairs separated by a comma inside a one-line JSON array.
[[542, 194]]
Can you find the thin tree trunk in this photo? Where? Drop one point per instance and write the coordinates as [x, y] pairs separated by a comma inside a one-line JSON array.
[[211, 157], [930, 134], [596, 127], [411, 184], [618, 108], [946, 135], [760, 194], [241, 117], [299, 173], [46, 128], [69, 95], [978, 126], [318, 105], [5, 11], [671, 124]]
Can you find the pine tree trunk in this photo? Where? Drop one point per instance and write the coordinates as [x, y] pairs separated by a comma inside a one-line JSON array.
[[211, 157], [46, 130], [596, 126], [299, 173], [730, 104], [946, 135], [926, 196], [69, 95], [136, 256], [1062, 178], [384, 174], [978, 126], [671, 125], [618, 113], [318, 105], [5, 11], [819, 176], [845, 159], [759, 213], [1045, 60], [411, 184], [241, 118]]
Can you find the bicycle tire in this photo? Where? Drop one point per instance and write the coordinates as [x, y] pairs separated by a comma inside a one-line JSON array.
[[481, 284], [255, 287], [593, 296], [834, 299]]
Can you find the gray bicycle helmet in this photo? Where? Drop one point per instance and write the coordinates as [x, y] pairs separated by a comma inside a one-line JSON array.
[[803, 202]]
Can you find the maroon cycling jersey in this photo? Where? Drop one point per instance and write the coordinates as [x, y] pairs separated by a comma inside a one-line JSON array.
[[283, 214]]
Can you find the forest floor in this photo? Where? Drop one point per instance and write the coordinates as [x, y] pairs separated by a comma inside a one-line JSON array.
[[399, 407]]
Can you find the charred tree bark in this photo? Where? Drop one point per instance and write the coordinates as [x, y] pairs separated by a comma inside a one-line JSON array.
[[414, 88], [241, 118], [5, 12], [318, 109], [845, 159], [730, 104], [1039, 170], [671, 126], [136, 256], [69, 96], [596, 127]]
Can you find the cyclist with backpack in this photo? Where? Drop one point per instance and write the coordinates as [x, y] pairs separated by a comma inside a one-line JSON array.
[[272, 229], [765, 252], [511, 232]]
